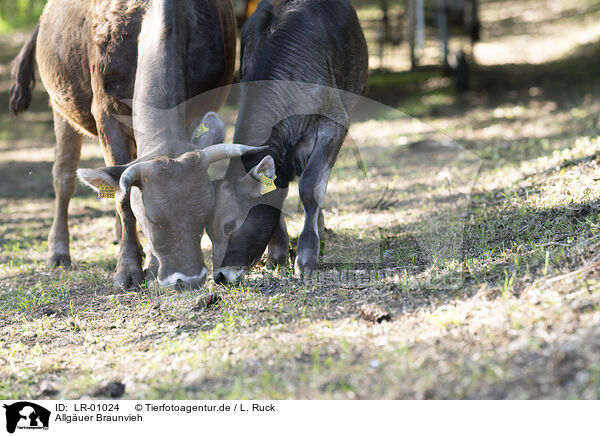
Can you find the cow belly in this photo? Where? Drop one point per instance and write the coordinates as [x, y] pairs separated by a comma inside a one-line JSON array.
[[72, 100]]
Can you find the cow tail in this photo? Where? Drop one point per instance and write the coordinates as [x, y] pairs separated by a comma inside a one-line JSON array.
[[23, 75]]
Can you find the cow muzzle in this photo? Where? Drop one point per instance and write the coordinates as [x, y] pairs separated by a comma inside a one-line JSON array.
[[179, 280], [225, 276]]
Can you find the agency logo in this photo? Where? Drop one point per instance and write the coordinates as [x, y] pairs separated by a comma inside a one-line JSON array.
[[26, 416]]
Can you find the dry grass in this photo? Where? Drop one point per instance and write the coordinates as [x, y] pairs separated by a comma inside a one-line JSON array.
[[511, 310]]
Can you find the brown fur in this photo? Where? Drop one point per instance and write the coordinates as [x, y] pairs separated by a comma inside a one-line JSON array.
[[23, 74], [87, 53]]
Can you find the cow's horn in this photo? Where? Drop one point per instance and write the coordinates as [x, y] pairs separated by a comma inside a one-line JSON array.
[[219, 152], [132, 175]]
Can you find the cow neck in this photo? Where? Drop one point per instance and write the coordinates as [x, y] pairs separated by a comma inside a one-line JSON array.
[[160, 85]]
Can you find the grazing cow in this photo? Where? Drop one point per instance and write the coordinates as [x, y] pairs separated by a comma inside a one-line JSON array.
[[301, 59], [93, 58]]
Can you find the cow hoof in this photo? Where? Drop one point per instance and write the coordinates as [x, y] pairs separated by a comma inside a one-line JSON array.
[[128, 279], [273, 262], [273, 266], [305, 268], [58, 260], [150, 274]]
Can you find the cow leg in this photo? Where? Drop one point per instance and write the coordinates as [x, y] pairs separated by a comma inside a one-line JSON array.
[[278, 245], [118, 148], [151, 267], [68, 151], [321, 225], [312, 189], [129, 265], [117, 230]]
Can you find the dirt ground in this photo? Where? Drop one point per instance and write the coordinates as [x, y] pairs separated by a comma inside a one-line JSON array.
[[491, 283]]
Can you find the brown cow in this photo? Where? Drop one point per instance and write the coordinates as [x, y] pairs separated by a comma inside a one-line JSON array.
[[93, 57]]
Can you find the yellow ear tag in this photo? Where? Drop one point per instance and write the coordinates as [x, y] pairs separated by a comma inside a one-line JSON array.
[[106, 191], [268, 184], [201, 129]]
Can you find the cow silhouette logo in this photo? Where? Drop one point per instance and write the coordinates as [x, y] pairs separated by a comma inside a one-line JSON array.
[[26, 415]]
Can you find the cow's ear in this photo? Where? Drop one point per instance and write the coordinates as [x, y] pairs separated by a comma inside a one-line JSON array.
[[259, 180], [210, 131], [266, 167], [95, 178]]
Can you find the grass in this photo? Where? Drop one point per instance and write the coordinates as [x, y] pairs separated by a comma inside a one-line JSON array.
[[22, 21], [492, 289], [19, 13]]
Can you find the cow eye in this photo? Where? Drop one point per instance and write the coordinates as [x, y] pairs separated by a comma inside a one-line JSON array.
[[229, 226]]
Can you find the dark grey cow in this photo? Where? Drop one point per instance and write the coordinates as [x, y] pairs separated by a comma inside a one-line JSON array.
[[301, 59], [96, 56]]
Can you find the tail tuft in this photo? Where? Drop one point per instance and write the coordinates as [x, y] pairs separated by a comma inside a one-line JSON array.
[[23, 74]]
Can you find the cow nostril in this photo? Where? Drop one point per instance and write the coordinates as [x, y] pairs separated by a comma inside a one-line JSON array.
[[220, 278]]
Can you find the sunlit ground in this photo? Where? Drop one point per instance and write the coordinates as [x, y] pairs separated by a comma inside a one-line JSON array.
[[492, 295]]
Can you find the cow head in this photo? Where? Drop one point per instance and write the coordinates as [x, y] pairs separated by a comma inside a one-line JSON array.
[[171, 199], [243, 220]]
